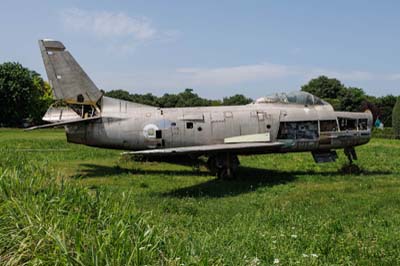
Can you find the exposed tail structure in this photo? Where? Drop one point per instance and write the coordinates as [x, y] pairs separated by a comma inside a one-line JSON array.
[[67, 79]]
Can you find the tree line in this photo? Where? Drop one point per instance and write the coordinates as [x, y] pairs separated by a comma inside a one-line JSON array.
[[351, 99], [187, 98], [25, 97]]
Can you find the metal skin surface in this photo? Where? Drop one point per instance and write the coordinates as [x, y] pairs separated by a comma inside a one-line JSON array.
[[124, 128], [293, 123]]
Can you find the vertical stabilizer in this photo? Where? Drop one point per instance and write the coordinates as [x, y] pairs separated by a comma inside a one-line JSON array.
[[67, 79]]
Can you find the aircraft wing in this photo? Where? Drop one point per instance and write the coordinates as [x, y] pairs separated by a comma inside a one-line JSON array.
[[239, 148], [63, 123]]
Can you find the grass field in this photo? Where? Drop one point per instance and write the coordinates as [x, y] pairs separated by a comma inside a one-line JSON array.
[[69, 204]]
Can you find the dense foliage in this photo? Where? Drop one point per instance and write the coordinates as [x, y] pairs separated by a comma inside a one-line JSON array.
[[385, 133], [237, 99], [351, 99], [324, 87], [396, 118], [24, 96]]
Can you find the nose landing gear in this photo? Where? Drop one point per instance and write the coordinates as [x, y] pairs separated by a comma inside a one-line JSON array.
[[351, 168], [351, 154]]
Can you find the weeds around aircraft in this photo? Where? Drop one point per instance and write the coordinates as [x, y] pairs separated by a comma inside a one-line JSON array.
[[294, 122]]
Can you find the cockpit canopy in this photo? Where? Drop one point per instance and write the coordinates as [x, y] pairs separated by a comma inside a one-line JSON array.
[[297, 97]]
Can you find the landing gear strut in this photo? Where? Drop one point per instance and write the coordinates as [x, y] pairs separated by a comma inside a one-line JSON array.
[[223, 165], [351, 154], [351, 168]]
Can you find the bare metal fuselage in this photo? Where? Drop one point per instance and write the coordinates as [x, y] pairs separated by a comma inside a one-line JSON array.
[[129, 126]]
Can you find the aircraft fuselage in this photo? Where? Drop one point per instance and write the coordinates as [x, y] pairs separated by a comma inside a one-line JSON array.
[[291, 122], [126, 126]]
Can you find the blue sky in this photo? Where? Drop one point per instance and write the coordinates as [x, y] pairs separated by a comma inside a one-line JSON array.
[[218, 48]]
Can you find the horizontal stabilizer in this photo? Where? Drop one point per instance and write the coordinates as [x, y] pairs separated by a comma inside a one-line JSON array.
[[60, 114], [64, 123], [239, 148]]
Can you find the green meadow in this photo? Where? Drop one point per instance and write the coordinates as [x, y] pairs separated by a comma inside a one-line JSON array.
[[66, 204]]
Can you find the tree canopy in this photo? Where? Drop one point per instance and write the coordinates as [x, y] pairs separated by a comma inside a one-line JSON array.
[[396, 118], [237, 99], [187, 98], [351, 99], [324, 87], [24, 96]]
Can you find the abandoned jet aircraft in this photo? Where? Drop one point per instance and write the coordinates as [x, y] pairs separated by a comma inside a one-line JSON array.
[[294, 122]]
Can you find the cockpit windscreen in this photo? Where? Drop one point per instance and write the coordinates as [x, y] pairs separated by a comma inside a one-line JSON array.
[[298, 97]]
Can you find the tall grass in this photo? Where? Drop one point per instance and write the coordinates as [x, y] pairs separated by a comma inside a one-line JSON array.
[[43, 221], [65, 204]]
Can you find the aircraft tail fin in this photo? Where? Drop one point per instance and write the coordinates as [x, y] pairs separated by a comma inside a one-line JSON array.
[[67, 79]]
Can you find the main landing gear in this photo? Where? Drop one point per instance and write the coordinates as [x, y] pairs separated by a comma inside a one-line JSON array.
[[223, 165]]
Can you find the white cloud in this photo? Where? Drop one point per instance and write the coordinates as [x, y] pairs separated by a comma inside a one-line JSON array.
[[235, 74], [353, 75], [268, 71], [394, 77], [108, 24], [121, 33]]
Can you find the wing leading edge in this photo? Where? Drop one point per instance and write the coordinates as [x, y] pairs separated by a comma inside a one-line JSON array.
[[239, 148]]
